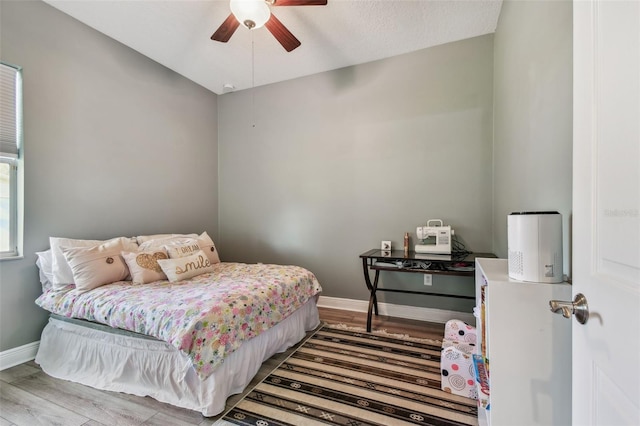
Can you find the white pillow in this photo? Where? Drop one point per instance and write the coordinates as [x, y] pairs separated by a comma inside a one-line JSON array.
[[186, 267], [45, 268], [144, 238], [144, 267], [62, 275], [97, 265]]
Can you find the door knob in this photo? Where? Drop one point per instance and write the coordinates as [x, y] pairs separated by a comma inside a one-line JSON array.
[[578, 307]]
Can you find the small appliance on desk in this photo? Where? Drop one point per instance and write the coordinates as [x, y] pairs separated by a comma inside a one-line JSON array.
[[535, 246], [440, 234]]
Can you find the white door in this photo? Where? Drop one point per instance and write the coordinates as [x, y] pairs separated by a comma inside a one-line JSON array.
[[606, 211]]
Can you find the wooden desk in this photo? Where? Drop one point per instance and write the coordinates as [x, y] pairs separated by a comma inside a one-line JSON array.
[[458, 264]]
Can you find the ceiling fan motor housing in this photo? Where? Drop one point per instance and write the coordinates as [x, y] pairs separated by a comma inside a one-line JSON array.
[[252, 13], [255, 14]]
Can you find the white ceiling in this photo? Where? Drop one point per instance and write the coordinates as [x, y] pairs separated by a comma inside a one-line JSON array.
[[176, 33]]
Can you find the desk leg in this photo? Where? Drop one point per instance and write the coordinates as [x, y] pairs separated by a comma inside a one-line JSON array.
[[373, 300]]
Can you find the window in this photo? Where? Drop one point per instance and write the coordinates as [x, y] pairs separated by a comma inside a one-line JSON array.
[[10, 161]]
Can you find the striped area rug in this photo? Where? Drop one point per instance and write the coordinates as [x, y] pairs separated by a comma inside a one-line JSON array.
[[352, 378]]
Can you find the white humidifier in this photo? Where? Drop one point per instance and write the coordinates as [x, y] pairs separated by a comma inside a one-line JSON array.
[[535, 246]]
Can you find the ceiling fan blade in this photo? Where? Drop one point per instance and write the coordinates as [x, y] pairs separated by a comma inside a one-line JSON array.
[[282, 34], [300, 2], [226, 30]]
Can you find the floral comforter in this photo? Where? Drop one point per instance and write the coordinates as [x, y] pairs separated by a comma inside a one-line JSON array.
[[206, 317]]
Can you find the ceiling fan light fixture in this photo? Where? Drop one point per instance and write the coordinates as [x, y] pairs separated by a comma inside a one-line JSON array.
[[251, 13]]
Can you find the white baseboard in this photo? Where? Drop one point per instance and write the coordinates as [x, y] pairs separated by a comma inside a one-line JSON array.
[[398, 311], [12, 357]]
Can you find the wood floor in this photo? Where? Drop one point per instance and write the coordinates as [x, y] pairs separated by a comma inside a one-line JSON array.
[[29, 397]]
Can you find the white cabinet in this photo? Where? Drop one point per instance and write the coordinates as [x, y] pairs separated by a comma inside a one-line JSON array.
[[528, 348]]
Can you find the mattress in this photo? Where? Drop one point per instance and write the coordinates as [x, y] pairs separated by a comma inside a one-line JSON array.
[[112, 360], [207, 317], [190, 343]]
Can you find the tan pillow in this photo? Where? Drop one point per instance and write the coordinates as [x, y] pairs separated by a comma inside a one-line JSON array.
[[186, 267], [208, 247], [62, 274], [143, 265], [96, 266]]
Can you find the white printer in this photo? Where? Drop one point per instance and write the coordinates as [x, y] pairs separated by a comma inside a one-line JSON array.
[[535, 246]]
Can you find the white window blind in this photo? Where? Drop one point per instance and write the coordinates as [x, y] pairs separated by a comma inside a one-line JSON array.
[[9, 111], [11, 165]]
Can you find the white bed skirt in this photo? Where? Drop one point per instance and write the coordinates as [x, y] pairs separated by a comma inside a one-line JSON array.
[[146, 367]]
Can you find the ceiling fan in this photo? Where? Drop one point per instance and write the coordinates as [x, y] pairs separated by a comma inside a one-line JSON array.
[[256, 13]]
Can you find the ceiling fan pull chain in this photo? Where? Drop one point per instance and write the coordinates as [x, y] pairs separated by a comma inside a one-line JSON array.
[[253, 84]]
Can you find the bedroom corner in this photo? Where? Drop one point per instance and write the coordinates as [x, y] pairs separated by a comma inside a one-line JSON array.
[[114, 144]]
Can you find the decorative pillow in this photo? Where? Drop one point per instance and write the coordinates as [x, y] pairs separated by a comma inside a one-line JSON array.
[[203, 240], [45, 268], [160, 243], [206, 245], [186, 267], [182, 248], [143, 265], [96, 266], [144, 238], [62, 274]]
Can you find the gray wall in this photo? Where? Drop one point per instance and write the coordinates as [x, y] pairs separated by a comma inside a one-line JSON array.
[[115, 144], [533, 114], [341, 160]]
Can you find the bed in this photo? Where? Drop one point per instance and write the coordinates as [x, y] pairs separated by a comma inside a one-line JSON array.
[[190, 342]]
